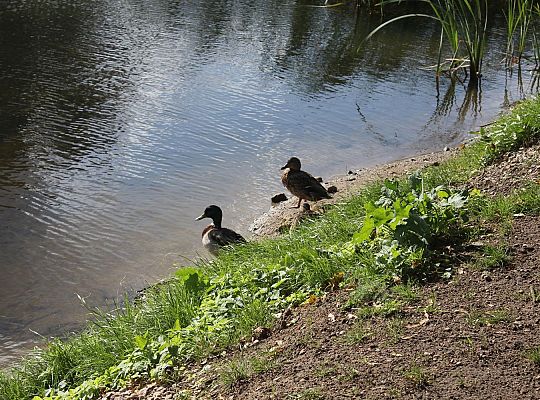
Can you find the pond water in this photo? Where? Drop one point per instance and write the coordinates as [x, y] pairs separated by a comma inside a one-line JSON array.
[[121, 120]]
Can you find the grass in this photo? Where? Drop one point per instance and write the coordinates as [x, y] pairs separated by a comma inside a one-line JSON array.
[[502, 209], [534, 356], [394, 330], [417, 375], [492, 257], [242, 368], [432, 307], [386, 309], [307, 394], [204, 309], [358, 333], [534, 294], [325, 370], [408, 293], [518, 15], [486, 318]]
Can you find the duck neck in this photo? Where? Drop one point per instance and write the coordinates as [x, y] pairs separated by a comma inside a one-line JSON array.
[[217, 221]]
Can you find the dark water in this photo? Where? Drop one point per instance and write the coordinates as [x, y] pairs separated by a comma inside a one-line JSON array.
[[120, 121]]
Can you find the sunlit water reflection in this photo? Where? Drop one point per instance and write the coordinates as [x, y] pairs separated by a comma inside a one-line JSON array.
[[122, 120]]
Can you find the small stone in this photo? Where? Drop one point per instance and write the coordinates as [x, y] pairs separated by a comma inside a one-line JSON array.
[[332, 189], [446, 148], [318, 179], [261, 333], [278, 198]]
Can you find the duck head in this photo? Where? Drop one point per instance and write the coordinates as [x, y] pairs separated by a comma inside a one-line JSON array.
[[293, 164], [214, 213]]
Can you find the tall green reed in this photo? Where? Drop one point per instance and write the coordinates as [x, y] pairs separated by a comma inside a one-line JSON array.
[[536, 41], [463, 25], [519, 15]]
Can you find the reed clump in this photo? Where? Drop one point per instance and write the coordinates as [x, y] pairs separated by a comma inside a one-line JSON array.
[[464, 29]]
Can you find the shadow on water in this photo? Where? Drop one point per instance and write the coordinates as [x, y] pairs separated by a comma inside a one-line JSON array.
[[122, 120]]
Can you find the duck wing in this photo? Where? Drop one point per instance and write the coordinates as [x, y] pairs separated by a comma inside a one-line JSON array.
[[303, 183], [225, 236]]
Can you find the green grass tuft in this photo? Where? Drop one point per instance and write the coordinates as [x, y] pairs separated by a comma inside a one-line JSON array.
[[492, 257], [417, 375], [242, 368], [534, 356], [485, 318]]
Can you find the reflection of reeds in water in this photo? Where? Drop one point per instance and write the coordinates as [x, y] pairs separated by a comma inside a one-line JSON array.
[[444, 105], [471, 103]]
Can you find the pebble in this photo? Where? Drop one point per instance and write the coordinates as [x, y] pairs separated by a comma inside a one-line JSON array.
[[278, 198]]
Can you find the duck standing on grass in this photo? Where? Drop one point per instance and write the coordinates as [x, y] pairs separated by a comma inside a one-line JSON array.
[[301, 184], [214, 236]]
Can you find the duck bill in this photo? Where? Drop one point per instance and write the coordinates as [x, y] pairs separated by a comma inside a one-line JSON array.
[[200, 217], [284, 167]]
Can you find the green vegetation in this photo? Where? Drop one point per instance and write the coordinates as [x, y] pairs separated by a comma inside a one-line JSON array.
[[242, 368], [358, 333], [492, 257], [518, 15], [394, 330], [534, 356], [417, 376], [534, 294], [383, 241], [464, 28], [308, 394], [483, 318]]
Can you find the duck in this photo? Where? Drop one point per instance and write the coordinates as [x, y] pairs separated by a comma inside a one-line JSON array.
[[301, 184], [214, 236]]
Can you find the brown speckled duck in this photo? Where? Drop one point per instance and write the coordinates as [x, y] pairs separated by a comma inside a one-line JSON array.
[[301, 184], [214, 236]]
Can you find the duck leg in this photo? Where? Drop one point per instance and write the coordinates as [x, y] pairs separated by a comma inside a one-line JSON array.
[[299, 201]]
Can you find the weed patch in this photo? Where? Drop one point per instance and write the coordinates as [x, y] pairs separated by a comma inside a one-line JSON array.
[[308, 394], [358, 333], [242, 368], [417, 375], [534, 356], [485, 318], [491, 257]]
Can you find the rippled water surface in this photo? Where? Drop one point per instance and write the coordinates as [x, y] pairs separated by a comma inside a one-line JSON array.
[[120, 121]]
